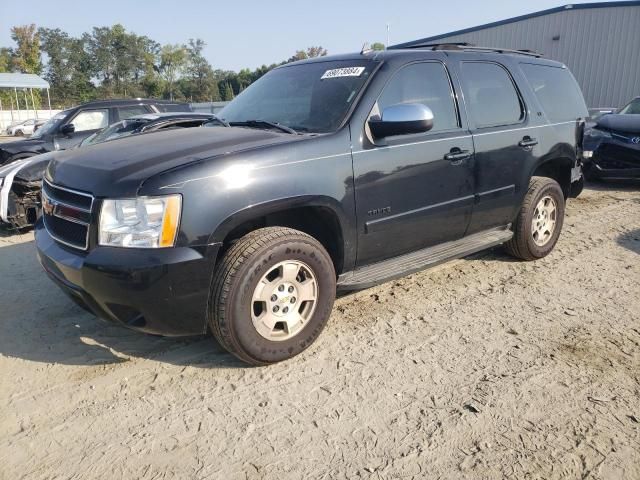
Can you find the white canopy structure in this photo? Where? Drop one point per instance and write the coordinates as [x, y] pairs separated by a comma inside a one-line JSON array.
[[24, 82]]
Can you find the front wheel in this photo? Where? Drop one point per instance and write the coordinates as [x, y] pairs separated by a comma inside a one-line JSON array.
[[272, 295], [539, 222]]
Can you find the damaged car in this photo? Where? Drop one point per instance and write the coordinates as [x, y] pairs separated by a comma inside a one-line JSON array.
[[613, 143], [21, 181]]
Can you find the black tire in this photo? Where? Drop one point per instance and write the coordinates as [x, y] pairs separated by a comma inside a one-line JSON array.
[[522, 245], [236, 278], [19, 133]]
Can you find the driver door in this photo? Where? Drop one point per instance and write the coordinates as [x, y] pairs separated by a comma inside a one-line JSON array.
[[417, 190], [85, 123]]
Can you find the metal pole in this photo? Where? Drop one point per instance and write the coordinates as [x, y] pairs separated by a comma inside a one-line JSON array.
[[33, 103], [26, 101], [15, 90], [1, 117], [49, 100]]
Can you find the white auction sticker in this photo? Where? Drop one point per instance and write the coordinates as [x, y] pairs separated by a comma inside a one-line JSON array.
[[343, 72]]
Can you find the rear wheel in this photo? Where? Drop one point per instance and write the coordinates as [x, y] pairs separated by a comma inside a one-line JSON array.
[[539, 222], [272, 295], [19, 133]]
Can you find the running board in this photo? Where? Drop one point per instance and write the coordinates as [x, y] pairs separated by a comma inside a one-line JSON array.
[[406, 264]]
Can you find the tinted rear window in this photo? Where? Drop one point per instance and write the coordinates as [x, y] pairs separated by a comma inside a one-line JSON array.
[[490, 95], [557, 91]]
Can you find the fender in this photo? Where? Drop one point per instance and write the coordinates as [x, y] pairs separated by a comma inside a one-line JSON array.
[[252, 212]]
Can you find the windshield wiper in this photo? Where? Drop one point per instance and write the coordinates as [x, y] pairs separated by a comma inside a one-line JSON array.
[[264, 123], [222, 122]]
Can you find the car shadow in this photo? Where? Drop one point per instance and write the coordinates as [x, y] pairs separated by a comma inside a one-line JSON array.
[[39, 323], [605, 185], [630, 240]]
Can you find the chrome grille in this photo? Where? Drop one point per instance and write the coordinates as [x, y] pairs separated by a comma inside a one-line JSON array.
[[67, 215]]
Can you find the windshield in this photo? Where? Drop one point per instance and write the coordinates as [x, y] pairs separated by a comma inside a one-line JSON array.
[[117, 130], [632, 108], [50, 125], [310, 97]]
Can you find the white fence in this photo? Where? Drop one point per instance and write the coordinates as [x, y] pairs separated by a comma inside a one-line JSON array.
[[7, 117]]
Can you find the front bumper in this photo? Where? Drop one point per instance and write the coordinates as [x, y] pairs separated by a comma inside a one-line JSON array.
[[615, 159], [159, 291]]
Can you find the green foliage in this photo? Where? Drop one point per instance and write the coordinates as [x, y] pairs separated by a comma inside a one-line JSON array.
[[377, 46], [26, 56], [112, 62]]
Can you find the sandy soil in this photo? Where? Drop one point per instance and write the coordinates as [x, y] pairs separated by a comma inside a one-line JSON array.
[[482, 368]]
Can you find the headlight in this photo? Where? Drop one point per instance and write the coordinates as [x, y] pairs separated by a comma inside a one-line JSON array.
[[144, 222]]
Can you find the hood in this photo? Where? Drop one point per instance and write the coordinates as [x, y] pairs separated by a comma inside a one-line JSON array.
[[620, 123], [34, 169], [118, 168], [7, 149]]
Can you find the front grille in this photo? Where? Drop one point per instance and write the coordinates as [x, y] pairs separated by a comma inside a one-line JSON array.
[[613, 157], [67, 215]]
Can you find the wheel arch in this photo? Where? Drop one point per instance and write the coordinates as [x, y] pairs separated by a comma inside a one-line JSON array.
[[558, 168], [321, 217]]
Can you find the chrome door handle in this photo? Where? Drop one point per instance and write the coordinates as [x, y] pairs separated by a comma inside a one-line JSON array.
[[527, 142], [456, 156]]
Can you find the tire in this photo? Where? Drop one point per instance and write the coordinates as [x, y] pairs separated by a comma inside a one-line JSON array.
[[19, 133], [242, 308], [528, 243]]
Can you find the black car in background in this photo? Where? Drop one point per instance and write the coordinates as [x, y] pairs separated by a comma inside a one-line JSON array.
[[20, 186], [70, 127], [614, 141]]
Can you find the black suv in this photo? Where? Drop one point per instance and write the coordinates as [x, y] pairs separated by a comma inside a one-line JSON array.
[[69, 127], [338, 172]]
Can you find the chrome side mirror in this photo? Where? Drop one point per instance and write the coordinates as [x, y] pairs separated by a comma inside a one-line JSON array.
[[402, 119]]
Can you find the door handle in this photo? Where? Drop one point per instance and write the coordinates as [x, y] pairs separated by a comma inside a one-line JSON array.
[[456, 156], [527, 142]]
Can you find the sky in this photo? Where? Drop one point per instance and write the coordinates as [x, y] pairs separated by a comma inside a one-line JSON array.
[[251, 33]]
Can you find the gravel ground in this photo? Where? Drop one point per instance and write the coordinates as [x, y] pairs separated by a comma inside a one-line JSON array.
[[482, 368]]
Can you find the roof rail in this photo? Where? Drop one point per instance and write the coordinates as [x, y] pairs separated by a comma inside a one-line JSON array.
[[465, 46]]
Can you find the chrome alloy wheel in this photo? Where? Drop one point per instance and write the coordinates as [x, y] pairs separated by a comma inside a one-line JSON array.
[[544, 220], [284, 300]]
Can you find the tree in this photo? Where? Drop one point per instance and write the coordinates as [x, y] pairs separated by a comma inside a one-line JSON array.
[[226, 92], [377, 46], [200, 83], [310, 52], [172, 61], [26, 56], [68, 69]]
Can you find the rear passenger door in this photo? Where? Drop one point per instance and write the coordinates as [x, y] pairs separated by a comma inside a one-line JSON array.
[[414, 191], [504, 138]]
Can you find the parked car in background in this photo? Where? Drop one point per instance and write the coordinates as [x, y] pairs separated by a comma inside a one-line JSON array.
[[69, 127], [595, 113], [20, 181], [21, 129], [332, 173], [613, 143]]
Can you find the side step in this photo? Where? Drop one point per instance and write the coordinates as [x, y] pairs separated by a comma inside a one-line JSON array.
[[370, 275]]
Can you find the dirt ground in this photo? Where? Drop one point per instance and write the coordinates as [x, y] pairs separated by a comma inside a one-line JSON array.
[[482, 368]]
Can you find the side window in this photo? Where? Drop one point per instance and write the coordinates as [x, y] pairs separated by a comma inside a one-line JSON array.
[[490, 95], [91, 120], [557, 91], [131, 110], [426, 83]]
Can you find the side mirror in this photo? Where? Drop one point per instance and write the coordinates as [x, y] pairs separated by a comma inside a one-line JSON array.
[[68, 129], [402, 119]]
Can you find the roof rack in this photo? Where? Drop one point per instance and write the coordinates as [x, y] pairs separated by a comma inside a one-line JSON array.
[[465, 46]]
